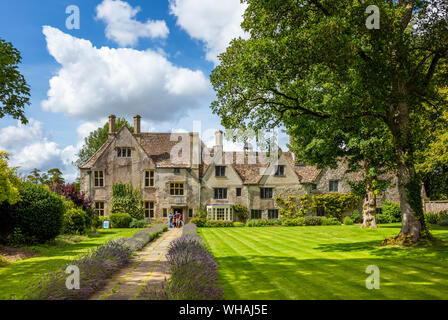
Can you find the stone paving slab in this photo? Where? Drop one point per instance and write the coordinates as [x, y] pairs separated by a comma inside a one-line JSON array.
[[148, 267]]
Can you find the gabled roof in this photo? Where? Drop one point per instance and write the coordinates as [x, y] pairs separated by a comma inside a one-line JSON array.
[[91, 162], [306, 173]]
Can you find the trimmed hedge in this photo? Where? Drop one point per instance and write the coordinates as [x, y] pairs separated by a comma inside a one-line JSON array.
[[37, 218], [75, 221], [120, 220]]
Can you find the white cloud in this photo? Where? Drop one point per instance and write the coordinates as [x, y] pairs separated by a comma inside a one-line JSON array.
[[96, 82], [30, 147], [122, 27], [216, 22]]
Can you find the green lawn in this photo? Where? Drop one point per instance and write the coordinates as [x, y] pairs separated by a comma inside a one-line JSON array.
[[325, 262], [14, 277]]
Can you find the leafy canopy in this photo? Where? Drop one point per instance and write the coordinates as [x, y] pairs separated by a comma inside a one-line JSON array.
[[14, 91]]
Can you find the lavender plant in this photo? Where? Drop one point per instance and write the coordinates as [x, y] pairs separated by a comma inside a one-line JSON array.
[[95, 268]]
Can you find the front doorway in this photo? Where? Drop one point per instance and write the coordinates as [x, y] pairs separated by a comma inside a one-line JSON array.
[[180, 210]]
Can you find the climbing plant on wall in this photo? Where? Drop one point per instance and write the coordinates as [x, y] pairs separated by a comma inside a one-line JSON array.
[[126, 199]]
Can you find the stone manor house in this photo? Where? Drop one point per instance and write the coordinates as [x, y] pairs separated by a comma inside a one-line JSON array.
[[197, 175]]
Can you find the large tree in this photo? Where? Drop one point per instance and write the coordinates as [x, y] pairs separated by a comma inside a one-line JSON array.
[[14, 91], [309, 61], [97, 138]]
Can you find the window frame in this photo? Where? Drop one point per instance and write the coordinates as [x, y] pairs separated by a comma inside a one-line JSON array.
[[217, 195], [149, 208], [238, 192], [176, 170], [331, 185], [220, 171], [270, 216], [277, 170], [164, 212], [263, 193], [190, 213], [99, 209], [100, 178], [258, 216], [150, 178], [177, 186], [124, 152]]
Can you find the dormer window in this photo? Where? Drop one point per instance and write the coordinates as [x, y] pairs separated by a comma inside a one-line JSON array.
[[280, 171], [124, 152], [176, 170], [220, 171]]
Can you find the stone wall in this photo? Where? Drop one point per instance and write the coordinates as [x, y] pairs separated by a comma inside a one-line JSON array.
[[435, 206]]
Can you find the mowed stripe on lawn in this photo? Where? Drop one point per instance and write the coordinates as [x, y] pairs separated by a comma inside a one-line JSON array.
[[325, 262]]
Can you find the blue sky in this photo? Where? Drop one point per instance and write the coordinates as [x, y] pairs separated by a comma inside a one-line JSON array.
[[152, 57]]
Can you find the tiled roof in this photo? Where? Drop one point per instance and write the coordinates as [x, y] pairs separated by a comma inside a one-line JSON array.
[[306, 173], [158, 146], [89, 163]]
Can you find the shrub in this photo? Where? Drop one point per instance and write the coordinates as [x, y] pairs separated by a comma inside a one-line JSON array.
[[95, 268], [142, 237], [218, 223], [194, 271], [392, 210], [335, 204], [443, 215], [126, 199], [382, 218], [120, 220], [198, 221], [330, 221], [138, 223], [75, 221], [240, 212], [291, 208], [431, 217], [299, 221], [443, 222], [313, 221], [190, 228], [39, 215], [356, 217], [348, 221], [239, 224]]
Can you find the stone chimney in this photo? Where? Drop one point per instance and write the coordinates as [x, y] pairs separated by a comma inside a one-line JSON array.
[[218, 138], [137, 124], [111, 124]]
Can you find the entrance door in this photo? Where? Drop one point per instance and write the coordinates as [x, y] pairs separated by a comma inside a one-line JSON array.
[[180, 210]]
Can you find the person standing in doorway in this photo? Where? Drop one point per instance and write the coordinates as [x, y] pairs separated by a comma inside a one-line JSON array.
[[181, 220], [171, 217]]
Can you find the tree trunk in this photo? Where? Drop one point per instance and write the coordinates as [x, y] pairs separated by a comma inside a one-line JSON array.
[[369, 209], [411, 204]]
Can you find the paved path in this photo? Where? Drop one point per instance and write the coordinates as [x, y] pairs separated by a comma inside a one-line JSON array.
[[149, 267]]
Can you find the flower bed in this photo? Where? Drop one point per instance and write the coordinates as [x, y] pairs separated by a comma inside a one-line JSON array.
[[95, 268], [194, 271]]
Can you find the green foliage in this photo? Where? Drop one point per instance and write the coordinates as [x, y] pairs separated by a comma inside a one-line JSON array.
[[198, 221], [299, 221], [97, 138], [335, 204], [239, 224], [218, 223], [240, 212], [128, 200], [356, 217], [138, 223], [75, 221], [263, 222], [10, 183], [443, 222], [120, 220], [313, 221], [348, 221], [431, 217], [392, 210], [201, 212], [331, 221], [291, 208], [14, 91], [383, 218], [39, 215]]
